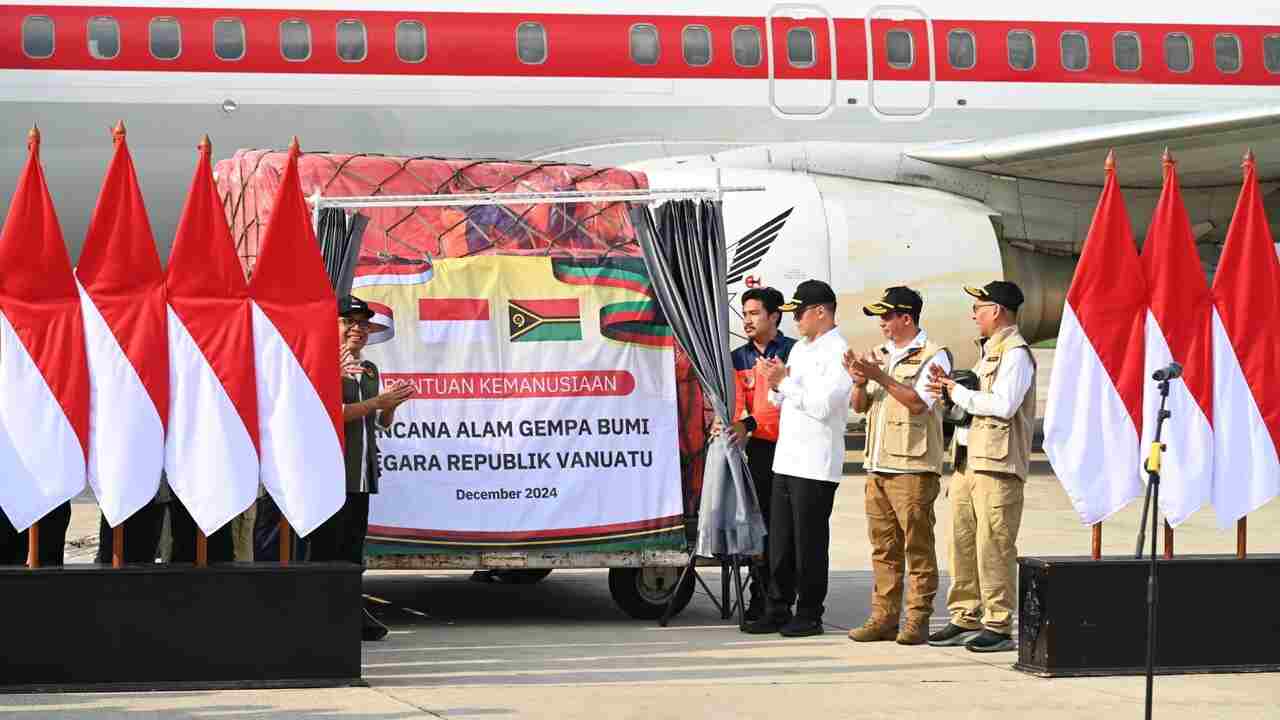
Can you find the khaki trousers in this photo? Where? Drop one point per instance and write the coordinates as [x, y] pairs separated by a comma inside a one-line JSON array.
[[242, 533], [900, 522], [986, 510]]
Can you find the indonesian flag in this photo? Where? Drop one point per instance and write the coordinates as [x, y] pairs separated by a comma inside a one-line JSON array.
[[1246, 361], [383, 322], [390, 271], [44, 404], [295, 335], [211, 450], [125, 323], [1179, 328], [450, 321], [1097, 373]]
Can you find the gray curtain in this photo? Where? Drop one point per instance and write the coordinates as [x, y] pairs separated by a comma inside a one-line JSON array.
[[684, 252], [340, 239]]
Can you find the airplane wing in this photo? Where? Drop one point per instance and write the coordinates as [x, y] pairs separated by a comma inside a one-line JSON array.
[[1207, 145]]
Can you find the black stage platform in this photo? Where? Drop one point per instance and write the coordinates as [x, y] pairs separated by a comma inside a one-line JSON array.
[[1080, 617], [163, 627]]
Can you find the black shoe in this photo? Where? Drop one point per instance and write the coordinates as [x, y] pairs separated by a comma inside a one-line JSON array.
[[371, 629], [952, 635], [802, 627], [987, 641], [766, 625], [755, 609]]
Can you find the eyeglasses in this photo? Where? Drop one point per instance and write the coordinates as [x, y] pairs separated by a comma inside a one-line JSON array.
[[351, 322], [979, 306]]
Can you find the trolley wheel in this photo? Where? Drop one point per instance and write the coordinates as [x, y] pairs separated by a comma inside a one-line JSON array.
[[522, 576], [643, 592]]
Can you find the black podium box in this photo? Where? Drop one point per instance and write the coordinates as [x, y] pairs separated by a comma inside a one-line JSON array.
[[160, 627], [1080, 617]]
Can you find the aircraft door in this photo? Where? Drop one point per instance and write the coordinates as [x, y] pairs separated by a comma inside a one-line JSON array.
[[802, 67], [900, 60]]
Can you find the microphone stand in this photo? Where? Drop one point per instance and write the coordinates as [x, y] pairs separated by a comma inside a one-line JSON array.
[[1153, 496]]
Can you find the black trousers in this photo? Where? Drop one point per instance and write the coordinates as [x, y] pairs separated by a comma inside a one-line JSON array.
[[141, 535], [53, 538], [760, 462], [183, 528], [799, 544], [341, 537]]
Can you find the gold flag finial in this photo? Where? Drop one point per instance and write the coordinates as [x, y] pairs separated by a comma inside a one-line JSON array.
[[1110, 163], [205, 146], [33, 138], [1167, 158], [117, 132], [1249, 158], [294, 145]]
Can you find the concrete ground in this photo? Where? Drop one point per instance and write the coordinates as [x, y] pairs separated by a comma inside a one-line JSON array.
[[560, 649]]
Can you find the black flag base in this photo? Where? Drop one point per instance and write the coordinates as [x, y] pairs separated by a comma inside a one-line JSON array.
[[730, 579]]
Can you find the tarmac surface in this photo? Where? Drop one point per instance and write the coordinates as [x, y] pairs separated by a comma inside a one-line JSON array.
[[561, 649]]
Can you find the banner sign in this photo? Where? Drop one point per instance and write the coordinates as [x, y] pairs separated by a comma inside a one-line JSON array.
[[544, 405]]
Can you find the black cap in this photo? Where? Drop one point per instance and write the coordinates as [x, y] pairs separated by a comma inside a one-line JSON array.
[[1000, 292], [809, 292], [899, 298], [352, 305]]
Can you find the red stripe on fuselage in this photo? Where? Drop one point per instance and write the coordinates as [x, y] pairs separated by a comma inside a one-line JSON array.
[[583, 45]]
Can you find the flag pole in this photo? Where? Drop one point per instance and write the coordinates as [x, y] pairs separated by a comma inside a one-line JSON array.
[[285, 540], [117, 546], [1097, 541], [202, 549], [1242, 537], [33, 545], [1168, 541]]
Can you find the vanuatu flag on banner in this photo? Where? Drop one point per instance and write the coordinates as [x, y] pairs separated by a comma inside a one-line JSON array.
[[542, 320]]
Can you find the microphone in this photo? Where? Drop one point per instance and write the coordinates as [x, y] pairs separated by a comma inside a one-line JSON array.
[[1169, 372]]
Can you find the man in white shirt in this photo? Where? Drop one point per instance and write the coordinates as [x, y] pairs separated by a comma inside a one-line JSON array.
[[992, 458], [903, 464], [813, 391]]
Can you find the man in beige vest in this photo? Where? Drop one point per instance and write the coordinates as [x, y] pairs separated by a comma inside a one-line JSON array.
[[991, 460], [903, 464]]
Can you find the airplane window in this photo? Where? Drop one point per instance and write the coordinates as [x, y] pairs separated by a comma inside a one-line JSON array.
[[1271, 53], [531, 43], [801, 52], [1226, 53], [1128, 51], [37, 37], [1177, 52], [644, 44], [1022, 50], [1075, 51], [295, 40], [411, 41], [351, 41], [746, 46], [228, 39], [166, 38], [962, 50], [900, 49], [696, 42], [104, 38]]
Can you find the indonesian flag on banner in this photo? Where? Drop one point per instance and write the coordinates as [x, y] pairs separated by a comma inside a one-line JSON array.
[[1246, 361], [454, 321], [1179, 329], [383, 321], [1097, 371], [44, 403], [211, 449], [295, 334], [125, 323]]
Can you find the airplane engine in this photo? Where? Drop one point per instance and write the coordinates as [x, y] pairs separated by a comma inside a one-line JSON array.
[[864, 236]]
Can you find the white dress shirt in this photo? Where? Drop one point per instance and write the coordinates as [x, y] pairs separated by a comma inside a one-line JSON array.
[[814, 398], [921, 387], [1013, 380]]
